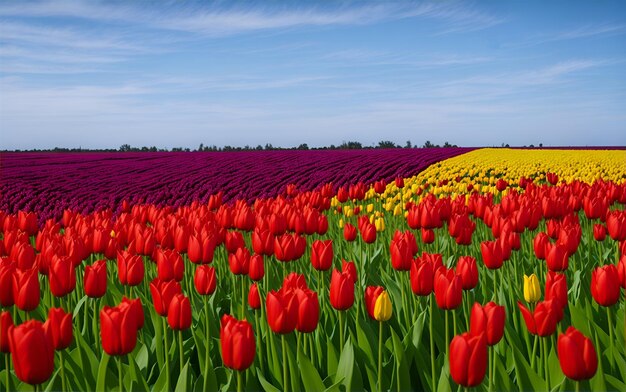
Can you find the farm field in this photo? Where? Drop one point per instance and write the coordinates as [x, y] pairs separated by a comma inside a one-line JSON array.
[[407, 269]]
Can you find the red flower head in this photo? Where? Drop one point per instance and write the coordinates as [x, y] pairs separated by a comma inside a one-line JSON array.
[[577, 356], [468, 359], [488, 319], [238, 344]]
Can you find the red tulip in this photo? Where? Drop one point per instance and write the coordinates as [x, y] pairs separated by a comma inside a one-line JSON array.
[[282, 310], [234, 240], [308, 310], [466, 268], [556, 288], [263, 242], [201, 248], [7, 271], [179, 313], [349, 268], [254, 298], [118, 329], [341, 290], [322, 255], [130, 268], [27, 222], [448, 289], [284, 248], [492, 254], [162, 294], [170, 265], [428, 236], [256, 270], [605, 285], [557, 258], [204, 280], [621, 271], [6, 322], [544, 319], [368, 233], [422, 277], [488, 320], [238, 344], [32, 352], [349, 232], [468, 359], [540, 245], [239, 261], [62, 276], [24, 255], [26, 290], [616, 225], [295, 281], [371, 295], [577, 355], [95, 279], [599, 232], [59, 327], [401, 255], [136, 307]]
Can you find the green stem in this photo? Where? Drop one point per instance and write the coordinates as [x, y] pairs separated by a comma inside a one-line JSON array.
[[285, 388], [63, 385], [380, 355], [167, 356], [577, 386], [545, 363], [532, 357], [432, 345], [243, 296], [447, 336], [119, 373], [180, 348], [610, 321], [239, 381], [207, 337], [495, 286], [340, 332], [491, 367], [7, 368]]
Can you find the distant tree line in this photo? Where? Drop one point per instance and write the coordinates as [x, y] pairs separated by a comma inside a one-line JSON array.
[[345, 145]]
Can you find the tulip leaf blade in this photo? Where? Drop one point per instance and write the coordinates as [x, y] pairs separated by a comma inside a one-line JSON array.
[[527, 378], [183, 382], [267, 387], [310, 377], [101, 382]]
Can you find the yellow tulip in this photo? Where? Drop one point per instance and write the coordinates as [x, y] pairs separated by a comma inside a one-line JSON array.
[[532, 291], [369, 208], [380, 224], [382, 308], [341, 223], [112, 234]]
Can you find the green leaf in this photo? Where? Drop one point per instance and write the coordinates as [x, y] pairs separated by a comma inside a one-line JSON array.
[[310, 377], [267, 387], [101, 383], [183, 383], [345, 368], [136, 377], [527, 378], [402, 368], [444, 379]]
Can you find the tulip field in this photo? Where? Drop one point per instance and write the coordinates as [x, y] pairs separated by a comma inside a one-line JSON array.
[[409, 269]]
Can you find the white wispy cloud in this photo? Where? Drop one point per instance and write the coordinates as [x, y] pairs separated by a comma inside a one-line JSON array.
[[579, 32]]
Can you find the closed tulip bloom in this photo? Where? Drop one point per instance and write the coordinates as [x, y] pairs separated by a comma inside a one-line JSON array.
[[540, 245], [577, 355], [201, 248], [6, 322], [263, 242], [492, 254], [294, 281], [27, 222], [59, 327], [468, 359], [254, 298], [371, 295], [136, 307], [543, 320], [282, 310], [239, 261], [62, 276], [26, 290], [599, 232], [7, 270], [322, 254], [349, 232], [238, 343], [204, 280], [468, 271], [179, 313], [621, 271], [130, 268], [422, 277], [428, 236], [605, 285], [448, 289], [557, 258], [382, 307], [368, 233], [556, 288], [233, 241], [488, 319], [341, 290], [401, 256], [32, 352], [256, 270], [170, 265], [308, 310], [349, 268], [24, 255], [284, 248], [532, 291], [118, 329], [162, 294], [95, 279]]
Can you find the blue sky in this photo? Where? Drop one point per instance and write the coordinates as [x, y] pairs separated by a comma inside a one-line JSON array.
[[100, 74]]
